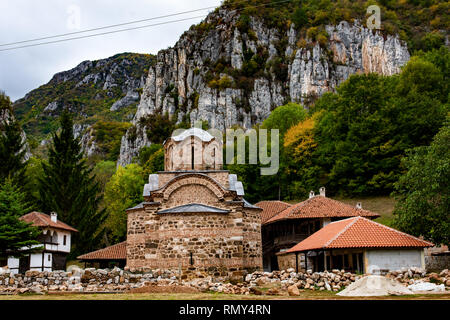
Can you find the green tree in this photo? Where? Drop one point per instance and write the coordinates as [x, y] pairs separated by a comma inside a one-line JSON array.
[[123, 191], [302, 168], [284, 117], [159, 127], [15, 234], [68, 187], [103, 171], [368, 124], [423, 192], [33, 173], [155, 162], [146, 152], [12, 148]]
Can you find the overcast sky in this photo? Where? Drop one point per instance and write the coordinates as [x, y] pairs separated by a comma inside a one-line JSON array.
[[25, 69]]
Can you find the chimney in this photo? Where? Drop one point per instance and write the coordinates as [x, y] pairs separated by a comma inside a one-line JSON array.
[[311, 194], [54, 216], [358, 205], [322, 191]]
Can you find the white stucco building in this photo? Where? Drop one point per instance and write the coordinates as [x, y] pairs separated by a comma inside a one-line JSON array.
[[360, 245], [56, 244]]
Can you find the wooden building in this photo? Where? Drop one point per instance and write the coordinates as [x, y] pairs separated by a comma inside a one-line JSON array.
[[109, 257], [284, 225]]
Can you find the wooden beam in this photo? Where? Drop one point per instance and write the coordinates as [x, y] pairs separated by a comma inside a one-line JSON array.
[[306, 261], [324, 260], [296, 262], [331, 260]]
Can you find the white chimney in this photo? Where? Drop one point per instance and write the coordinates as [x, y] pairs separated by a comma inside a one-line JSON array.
[[358, 205], [322, 191], [311, 194], [54, 216]]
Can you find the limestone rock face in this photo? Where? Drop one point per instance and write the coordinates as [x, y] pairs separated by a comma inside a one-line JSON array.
[[102, 90], [178, 83]]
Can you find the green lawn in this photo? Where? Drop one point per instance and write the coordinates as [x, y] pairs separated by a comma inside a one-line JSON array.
[[384, 206]]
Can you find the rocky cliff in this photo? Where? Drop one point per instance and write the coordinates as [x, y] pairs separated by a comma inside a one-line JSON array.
[[101, 91], [227, 74]]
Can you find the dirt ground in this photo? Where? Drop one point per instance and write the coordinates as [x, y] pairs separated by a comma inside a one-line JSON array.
[[306, 295]]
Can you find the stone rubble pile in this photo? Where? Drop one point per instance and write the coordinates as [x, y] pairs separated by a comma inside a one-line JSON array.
[[417, 275], [286, 282]]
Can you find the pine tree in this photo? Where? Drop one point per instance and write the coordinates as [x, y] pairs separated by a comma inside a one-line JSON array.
[[69, 188], [15, 234], [12, 150]]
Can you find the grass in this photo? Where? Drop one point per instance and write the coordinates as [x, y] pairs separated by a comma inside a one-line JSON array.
[[305, 295], [384, 206]]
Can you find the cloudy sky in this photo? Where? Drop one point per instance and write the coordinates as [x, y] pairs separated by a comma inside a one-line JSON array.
[[24, 69]]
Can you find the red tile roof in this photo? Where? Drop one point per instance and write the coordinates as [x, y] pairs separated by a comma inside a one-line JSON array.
[[39, 219], [271, 208], [114, 252], [358, 232], [321, 207]]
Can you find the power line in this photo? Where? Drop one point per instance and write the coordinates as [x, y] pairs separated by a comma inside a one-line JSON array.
[[112, 25], [122, 30], [100, 34], [106, 27]]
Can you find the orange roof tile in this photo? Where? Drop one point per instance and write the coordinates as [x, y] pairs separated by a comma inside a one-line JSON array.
[[39, 219], [114, 252], [321, 207], [271, 208], [358, 232]]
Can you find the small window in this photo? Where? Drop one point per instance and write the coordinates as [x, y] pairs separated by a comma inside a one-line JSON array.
[[55, 237], [64, 240], [49, 257]]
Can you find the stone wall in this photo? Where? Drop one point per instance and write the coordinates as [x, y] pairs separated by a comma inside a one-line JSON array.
[[287, 261], [208, 242], [278, 282], [434, 263]]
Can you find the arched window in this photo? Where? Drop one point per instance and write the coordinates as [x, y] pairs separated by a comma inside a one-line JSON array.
[[192, 157], [55, 237]]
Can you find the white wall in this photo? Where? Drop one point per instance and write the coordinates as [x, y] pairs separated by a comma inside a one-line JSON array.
[[325, 222], [36, 262], [12, 264], [393, 259], [60, 246]]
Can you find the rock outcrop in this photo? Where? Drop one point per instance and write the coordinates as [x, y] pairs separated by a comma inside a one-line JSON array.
[[105, 90], [188, 80]]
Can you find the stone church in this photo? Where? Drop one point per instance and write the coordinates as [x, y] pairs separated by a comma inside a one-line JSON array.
[[194, 217]]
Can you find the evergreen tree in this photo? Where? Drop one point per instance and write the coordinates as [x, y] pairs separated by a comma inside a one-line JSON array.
[[15, 234], [12, 150], [69, 188]]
